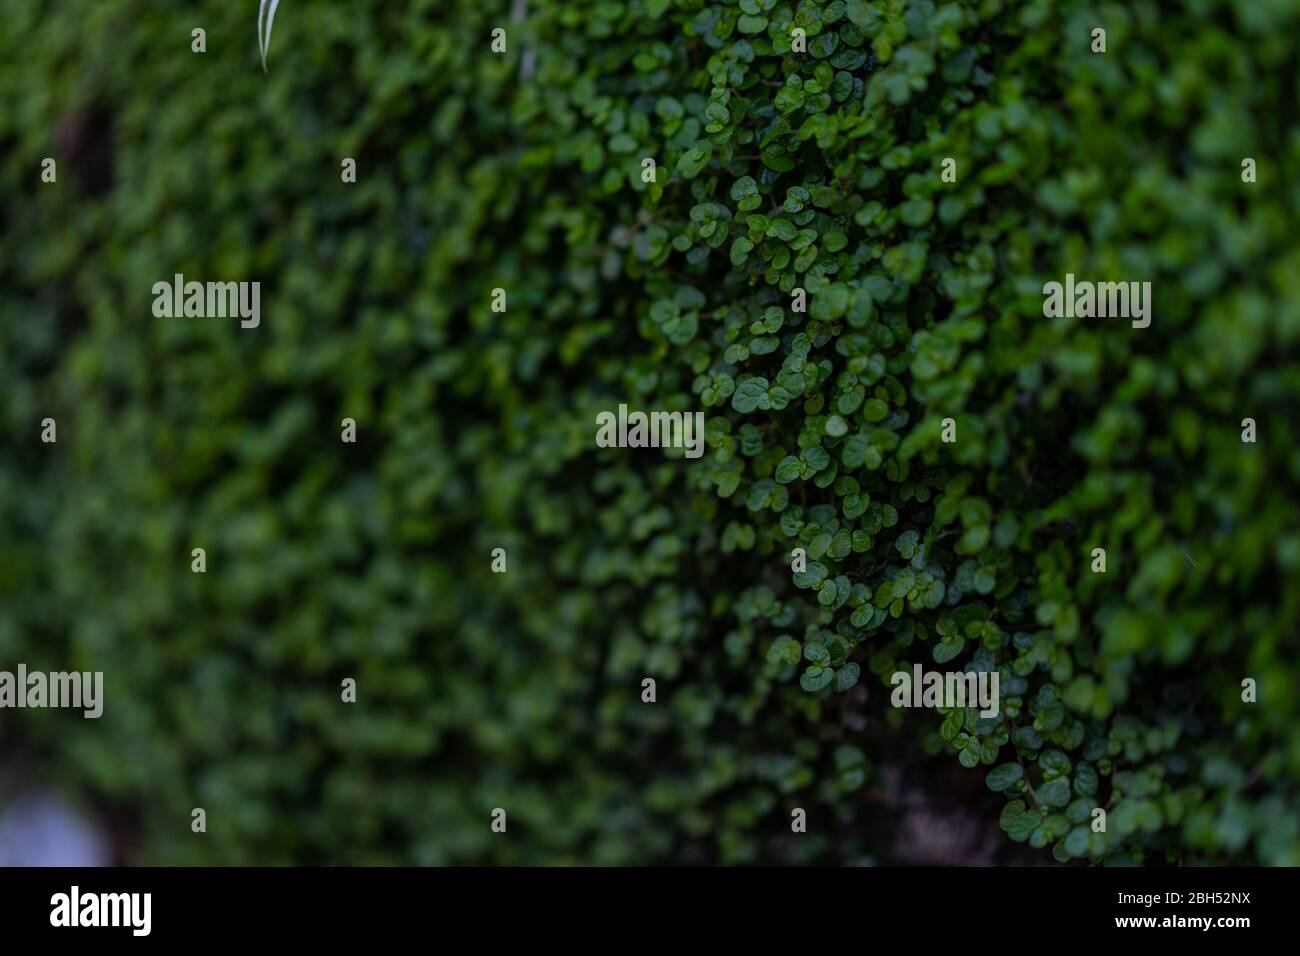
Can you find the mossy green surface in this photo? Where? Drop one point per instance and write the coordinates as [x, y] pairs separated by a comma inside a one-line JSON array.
[[776, 170]]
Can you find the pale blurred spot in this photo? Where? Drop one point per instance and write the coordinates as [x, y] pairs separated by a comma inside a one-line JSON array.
[[40, 830]]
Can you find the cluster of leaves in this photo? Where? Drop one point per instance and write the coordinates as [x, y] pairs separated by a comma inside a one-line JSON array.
[[777, 171], [1121, 690]]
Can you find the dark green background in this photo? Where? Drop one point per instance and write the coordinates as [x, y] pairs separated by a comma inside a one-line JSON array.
[[476, 429]]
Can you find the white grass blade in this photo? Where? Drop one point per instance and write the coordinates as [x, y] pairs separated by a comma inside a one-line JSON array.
[[270, 19], [261, 45], [265, 21]]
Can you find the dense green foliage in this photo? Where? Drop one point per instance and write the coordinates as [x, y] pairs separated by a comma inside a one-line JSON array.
[[776, 170]]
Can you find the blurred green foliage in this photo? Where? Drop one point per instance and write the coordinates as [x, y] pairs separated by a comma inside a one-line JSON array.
[[776, 170]]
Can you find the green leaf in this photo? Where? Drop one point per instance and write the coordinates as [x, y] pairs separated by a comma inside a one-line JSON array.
[[1020, 828], [750, 395], [817, 653], [790, 469], [745, 193], [1003, 776], [875, 410], [945, 651], [817, 457], [741, 247], [1027, 737], [694, 160], [1054, 763], [906, 544], [1055, 793], [816, 677], [782, 229], [1012, 810], [1086, 781], [846, 677], [1076, 844], [784, 650]]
